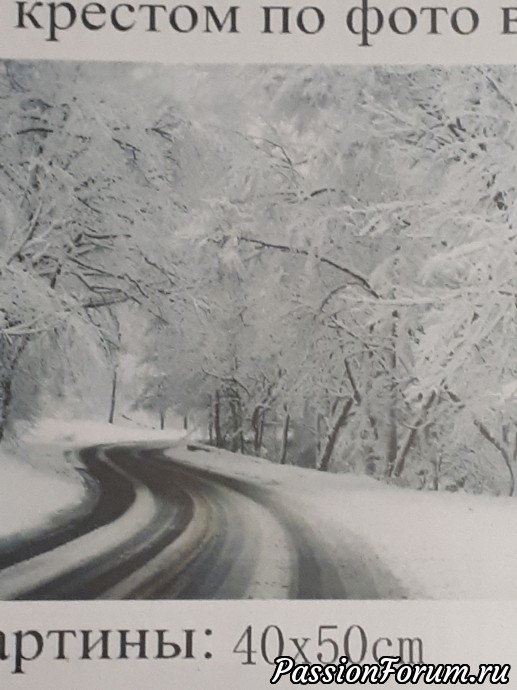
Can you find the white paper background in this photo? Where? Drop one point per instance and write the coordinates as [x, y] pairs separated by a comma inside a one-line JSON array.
[[463, 632], [334, 44]]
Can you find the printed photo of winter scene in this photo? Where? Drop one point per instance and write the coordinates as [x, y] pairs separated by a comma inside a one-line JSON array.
[[257, 332]]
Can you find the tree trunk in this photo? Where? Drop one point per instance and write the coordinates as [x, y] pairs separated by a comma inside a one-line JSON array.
[[10, 353], [211, 422], [240, 430], [340, 422], [162, 420], [437, 466], [6, 394], [185, 422], [262, 423], [257, 424], [113, 396], [320, 421], [485, 432], [285, 438], [511, 466], [400, 463], [392, 447], [237, 442], [217, 420]]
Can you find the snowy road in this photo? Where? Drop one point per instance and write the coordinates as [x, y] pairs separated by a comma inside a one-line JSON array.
[[160, 528]]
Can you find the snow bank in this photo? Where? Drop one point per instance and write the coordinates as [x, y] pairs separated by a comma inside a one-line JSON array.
[[83, 432], [437, 545], [441, 546], [32, 497]]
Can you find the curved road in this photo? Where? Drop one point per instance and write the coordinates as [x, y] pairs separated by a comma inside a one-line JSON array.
[[154, 527]]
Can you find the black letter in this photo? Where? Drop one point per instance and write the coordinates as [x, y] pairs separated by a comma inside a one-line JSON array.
[[22, 13]]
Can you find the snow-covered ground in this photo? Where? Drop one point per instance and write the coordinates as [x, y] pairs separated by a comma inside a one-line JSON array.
[[436, 545], [31, 497]]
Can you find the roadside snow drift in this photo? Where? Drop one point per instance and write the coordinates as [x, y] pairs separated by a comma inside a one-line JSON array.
[[436, 545], [29, 497]]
